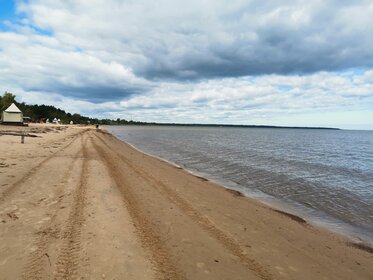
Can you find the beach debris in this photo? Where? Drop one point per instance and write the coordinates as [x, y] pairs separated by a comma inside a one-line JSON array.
[[46, 254], [11, 133], [362, 246], [13, 216], [235, 192], [292, 216]]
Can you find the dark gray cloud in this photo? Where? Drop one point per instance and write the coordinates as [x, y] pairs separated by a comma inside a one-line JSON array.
[[92, 93], [214, 39], [276, 50]]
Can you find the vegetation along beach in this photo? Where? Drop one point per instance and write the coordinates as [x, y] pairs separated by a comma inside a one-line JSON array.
[[196, 140]]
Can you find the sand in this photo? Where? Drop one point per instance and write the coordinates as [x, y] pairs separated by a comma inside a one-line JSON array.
[[79, 203]]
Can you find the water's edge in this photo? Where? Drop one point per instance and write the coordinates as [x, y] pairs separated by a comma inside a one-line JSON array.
[[308, 215]]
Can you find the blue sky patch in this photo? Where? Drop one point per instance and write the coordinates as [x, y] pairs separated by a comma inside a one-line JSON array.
[[7, 9]]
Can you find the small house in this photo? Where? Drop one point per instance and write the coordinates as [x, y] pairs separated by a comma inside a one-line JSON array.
[[12, 115], [26, 120]]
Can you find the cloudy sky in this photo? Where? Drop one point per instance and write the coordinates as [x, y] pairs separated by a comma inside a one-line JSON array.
[[197, 61]]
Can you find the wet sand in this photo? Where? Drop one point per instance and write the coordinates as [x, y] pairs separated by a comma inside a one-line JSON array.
[[79, 203]]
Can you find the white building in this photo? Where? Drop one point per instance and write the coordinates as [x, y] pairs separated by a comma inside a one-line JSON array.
[[12, 115]]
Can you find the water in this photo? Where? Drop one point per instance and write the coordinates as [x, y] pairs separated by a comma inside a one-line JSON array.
[[325, 176]]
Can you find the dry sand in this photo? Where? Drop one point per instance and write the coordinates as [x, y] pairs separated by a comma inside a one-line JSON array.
[[77, 203]]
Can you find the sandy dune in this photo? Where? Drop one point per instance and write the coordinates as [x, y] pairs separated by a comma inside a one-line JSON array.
[[78, 203]]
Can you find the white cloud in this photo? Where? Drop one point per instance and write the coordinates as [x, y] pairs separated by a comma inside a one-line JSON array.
[[240, 100], [204, 61], [173, 39]]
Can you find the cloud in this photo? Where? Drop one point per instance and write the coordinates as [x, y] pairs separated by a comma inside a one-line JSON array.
[[209, 39], [39, 64], [247, 100], [225, 61]]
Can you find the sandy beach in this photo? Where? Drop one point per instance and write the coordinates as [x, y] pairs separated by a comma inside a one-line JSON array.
[[76, 203]]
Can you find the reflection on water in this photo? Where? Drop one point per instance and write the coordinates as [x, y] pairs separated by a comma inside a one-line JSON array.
[[327, 172]]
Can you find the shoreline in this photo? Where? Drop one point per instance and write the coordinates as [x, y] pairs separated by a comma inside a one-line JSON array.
[[228, 125], [275, 204], [299, 212], [80, 203]]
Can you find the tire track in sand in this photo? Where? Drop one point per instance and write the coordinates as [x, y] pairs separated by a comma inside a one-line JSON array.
[[35, 267], [229, 243], [159, 256], [68, 258], [13, 187]]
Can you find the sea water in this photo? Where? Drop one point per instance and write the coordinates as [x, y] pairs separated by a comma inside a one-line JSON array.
[[323, 175]]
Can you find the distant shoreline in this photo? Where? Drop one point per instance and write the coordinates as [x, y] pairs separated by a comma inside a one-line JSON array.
[[227, 125]]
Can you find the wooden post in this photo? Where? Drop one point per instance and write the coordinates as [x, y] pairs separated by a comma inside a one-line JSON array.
[[22, 138]]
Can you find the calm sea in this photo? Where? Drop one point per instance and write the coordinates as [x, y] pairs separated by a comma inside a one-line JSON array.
[[325, 176]]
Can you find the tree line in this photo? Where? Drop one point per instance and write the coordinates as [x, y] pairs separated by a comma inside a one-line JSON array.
[[39, 113]]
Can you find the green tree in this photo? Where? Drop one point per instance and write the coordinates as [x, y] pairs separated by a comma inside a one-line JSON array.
[[7, 99]]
